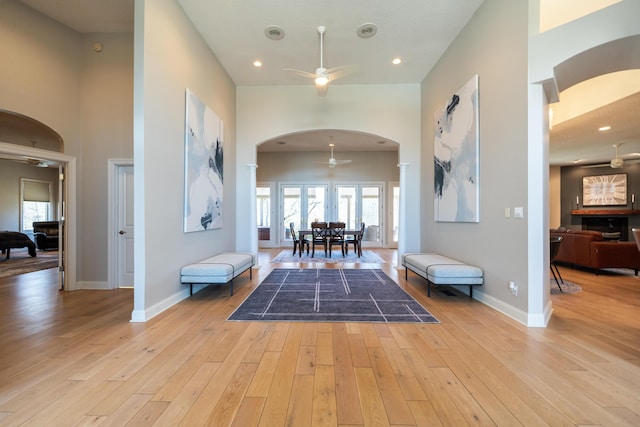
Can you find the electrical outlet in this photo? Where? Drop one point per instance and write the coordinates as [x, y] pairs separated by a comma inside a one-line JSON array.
[[514, 288]]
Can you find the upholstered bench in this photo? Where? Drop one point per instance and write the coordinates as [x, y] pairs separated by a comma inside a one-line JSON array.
[[442, 271], [218, 269]]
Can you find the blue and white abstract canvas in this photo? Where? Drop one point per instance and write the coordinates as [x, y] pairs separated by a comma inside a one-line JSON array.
[[203, 166], [455, 156]]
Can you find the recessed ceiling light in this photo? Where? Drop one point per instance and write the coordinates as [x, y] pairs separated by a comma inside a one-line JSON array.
[[366, 31], [274, 32], [396, 61], [257, 63], [603, 128]]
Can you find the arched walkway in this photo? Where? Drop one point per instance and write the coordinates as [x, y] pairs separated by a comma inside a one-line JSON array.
[[556, 64]]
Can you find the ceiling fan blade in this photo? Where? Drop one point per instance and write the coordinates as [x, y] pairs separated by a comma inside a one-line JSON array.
[[301, 73], [340, 72], [342, 162], [599, 165]]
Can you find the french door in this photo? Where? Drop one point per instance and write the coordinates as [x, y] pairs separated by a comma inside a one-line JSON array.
[[265, 205], [302, 204], [358, 203]]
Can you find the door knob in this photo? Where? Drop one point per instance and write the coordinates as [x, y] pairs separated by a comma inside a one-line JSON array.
[[122, 232]]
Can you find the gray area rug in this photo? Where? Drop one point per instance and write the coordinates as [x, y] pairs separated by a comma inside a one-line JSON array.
[[331, 295], [21, 262], [336, 257], [567, 287]]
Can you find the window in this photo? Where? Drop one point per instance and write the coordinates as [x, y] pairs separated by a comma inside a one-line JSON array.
[[36, 202]]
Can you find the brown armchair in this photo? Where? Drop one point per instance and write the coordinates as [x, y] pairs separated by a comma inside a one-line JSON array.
[[636, 235]]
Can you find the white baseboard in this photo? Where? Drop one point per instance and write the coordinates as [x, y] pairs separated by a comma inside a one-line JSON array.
[[506, 309], [99, 286], [154, 310]]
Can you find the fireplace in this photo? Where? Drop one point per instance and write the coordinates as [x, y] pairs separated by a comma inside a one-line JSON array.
[[608, 225]]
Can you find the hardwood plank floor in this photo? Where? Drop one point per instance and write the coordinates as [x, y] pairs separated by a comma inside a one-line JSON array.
[[73, 358]]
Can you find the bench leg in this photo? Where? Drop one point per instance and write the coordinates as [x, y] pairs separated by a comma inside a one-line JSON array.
[[429, 288], [190, 288], [231, 287], [470, 291]]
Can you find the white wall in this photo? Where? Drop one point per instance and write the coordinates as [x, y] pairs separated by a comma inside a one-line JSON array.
[[390, 111], [494, 46], [170, 56], [106, 101]]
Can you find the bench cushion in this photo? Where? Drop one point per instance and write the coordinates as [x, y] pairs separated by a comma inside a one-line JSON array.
[[441, 270], [220, 268]]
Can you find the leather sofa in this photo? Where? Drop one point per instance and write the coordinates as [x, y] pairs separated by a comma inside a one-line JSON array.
[[589, 249], [45, 234]]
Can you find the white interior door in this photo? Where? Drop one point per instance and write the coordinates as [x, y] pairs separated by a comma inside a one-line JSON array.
[[60, 214], [124, 246]]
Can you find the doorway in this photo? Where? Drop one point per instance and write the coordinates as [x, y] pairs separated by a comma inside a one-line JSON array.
[[66, 206], [302, 204], [362, 203]]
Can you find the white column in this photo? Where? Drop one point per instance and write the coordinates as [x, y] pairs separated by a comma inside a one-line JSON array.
[[402, 213], [539, 303], [253, 219]]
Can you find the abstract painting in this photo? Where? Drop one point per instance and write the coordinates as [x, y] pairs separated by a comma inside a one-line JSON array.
[[455, 156], [604, 190], [203, 166]]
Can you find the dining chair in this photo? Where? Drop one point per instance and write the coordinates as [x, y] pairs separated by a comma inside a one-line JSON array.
[[298, 243], [336, 236], [356, 241], [318, 236], [554, 246]]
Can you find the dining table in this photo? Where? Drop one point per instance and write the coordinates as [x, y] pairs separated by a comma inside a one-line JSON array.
[[347, 232]]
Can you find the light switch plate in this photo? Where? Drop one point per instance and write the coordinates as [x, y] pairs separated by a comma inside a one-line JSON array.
[[518, 212]]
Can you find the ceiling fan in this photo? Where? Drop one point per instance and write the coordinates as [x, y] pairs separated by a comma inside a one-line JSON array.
[[27, 160], [615, 163], [322, 76], [332, 160]]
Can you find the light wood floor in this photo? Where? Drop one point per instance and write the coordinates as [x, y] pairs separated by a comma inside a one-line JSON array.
[[75, 359]]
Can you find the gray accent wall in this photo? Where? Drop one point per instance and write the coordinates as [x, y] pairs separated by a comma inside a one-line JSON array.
[[571, 187]]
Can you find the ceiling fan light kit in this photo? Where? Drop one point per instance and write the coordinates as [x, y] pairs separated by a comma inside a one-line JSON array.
[[617, 163], [322, 76]]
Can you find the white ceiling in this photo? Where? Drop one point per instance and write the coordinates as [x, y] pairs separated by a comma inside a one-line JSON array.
[[418, 31]]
